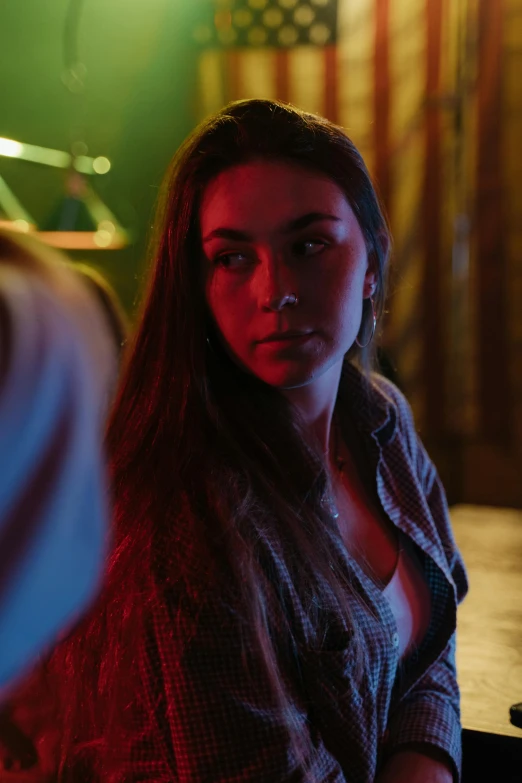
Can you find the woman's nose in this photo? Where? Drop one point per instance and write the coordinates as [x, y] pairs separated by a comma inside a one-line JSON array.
[[276, 285]]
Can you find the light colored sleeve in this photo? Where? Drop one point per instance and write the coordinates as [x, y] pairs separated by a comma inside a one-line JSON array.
[[55, 365]]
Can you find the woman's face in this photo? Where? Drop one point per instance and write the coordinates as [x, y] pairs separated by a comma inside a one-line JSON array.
[[269, 231]]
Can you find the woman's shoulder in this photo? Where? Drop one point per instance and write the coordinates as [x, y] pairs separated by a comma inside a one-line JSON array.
[[400, 415], [391, 393], [395, 398]]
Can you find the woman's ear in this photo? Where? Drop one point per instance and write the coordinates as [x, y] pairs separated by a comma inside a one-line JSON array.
[[370, 280], [372, 272]]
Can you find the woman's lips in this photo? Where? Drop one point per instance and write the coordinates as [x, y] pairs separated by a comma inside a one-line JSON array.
[[282, 339]]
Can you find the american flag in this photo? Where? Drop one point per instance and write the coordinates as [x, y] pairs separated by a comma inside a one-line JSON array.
[[399, 76], [285, 49], [275, 23]]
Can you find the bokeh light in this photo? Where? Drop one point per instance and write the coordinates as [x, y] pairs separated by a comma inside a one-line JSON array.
[[101, 165], [10, 148]]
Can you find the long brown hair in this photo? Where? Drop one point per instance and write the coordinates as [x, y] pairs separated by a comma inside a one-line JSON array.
[[205, 457]]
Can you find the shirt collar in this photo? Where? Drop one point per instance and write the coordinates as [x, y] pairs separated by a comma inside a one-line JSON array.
[[374, 411]]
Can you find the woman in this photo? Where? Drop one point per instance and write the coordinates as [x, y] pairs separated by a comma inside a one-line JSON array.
[[281, 601]]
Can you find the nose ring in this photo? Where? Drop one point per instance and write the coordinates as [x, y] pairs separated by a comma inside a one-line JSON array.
[[288, 299]]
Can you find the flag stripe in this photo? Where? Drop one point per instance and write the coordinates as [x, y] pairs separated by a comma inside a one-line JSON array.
[[432, 290], [492, 323], [212, 94], [512, 133], [355, 81], [282, 75], [331, 69], [306, 74], [258, 77], [381, 100], [402, 330], [459, 137], [233, 74]]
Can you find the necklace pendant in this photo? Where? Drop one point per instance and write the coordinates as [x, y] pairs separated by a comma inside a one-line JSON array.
[[330, 506]]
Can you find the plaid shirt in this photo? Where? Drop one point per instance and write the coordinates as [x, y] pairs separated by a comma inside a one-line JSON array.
[[209, 714]]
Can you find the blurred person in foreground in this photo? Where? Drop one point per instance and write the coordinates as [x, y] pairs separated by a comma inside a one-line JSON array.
[[111, 306], [28, 736], [57, 363], [280, 604]]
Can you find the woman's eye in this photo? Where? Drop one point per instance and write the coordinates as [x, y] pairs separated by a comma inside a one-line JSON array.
[[309, 247], [231, 260]]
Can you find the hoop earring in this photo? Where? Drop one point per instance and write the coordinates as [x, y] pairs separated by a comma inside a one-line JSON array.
[[374, 326]]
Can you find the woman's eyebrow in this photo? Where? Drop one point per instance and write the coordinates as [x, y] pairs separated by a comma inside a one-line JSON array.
[[306, 220], [228, 233], [293, 225]]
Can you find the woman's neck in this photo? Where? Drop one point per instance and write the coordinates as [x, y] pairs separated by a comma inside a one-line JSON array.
[[315, 402]]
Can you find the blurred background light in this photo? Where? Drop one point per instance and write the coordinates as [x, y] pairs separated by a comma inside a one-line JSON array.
[[12, 213], [101, 165], [10, 148]]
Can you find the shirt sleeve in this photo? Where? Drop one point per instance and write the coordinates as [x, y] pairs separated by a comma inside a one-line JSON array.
[[430, 713], [210, 711]]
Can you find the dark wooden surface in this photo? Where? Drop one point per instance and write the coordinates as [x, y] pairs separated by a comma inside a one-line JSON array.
[[489, 633]]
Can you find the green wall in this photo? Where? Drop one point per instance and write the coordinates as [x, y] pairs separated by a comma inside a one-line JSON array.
[[137, 106]]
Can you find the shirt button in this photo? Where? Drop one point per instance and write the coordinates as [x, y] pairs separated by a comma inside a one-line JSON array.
[[395, 639]]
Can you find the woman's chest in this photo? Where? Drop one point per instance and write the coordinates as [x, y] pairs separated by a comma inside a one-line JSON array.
[[366, 532], [388, 559]]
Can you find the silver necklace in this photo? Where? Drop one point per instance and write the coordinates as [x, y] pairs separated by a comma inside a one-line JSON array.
[[328, 500]]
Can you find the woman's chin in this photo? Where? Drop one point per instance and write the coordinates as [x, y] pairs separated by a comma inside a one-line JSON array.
[[287, 377]]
